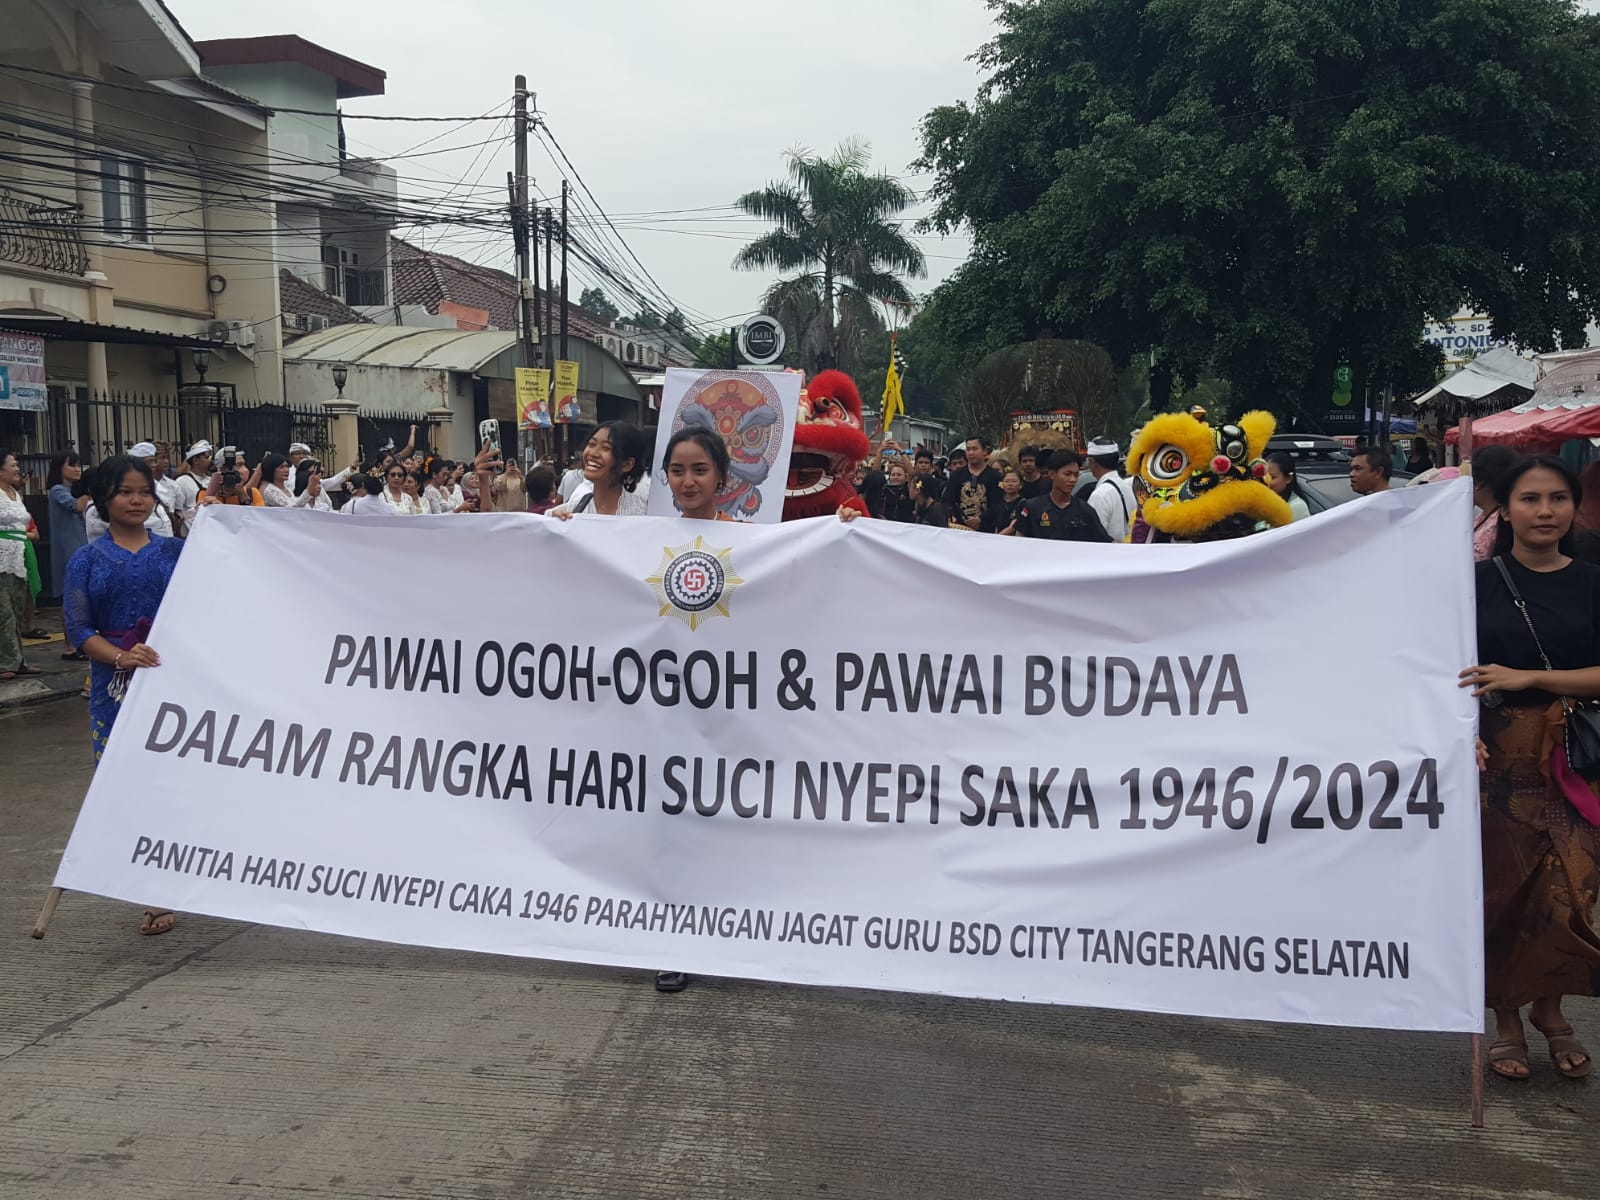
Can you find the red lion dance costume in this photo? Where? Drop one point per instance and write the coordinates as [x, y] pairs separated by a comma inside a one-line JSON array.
[[828, 444]]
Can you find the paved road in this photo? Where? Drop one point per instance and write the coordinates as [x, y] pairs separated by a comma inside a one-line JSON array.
[[234, 1060]]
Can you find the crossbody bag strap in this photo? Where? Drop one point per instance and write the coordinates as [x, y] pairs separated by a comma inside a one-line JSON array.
[[1522, 607]]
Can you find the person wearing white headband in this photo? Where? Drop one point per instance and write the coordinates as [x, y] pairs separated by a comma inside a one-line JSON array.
[[1112, 497], [193, 476]]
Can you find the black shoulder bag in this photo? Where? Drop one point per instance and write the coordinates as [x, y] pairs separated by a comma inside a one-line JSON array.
[[1583, 716]]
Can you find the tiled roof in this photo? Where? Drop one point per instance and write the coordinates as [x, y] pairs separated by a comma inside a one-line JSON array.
[[297, 297], [427, 277]]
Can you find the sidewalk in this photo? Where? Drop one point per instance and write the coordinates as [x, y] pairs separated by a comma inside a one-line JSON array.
[[60, 679]]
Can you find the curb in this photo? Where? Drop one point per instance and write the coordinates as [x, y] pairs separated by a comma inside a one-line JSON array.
[[35, 690]]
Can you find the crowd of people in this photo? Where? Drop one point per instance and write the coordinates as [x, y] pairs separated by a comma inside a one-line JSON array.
[[116, 534]]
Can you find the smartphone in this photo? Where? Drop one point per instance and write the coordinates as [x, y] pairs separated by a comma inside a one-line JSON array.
[[489, 432]]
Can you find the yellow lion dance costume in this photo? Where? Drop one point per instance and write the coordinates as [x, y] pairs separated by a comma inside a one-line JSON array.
[[1201, 483]]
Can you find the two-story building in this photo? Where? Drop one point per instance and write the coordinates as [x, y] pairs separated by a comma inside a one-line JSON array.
[[136, 229]]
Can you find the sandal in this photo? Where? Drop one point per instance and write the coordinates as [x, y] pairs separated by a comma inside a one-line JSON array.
[[1508, 1054], [1564, 1048], [156, 921], [75, 656], [37, 635]]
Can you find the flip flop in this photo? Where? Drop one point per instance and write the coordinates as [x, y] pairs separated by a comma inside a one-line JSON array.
[[1564, 1042], [153, 918], [37, 635], [25, 669], [75, 656], [1510, 1052]]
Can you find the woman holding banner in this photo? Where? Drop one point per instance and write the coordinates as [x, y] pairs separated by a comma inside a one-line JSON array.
[[114, 586], [696, 463], [1539, 646]]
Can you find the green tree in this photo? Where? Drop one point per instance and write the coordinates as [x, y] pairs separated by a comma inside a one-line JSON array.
[[595, 300], [1269, 189], [835, 226], [715, 352]]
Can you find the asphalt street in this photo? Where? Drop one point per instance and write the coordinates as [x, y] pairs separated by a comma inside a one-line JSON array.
[[240, 1060]]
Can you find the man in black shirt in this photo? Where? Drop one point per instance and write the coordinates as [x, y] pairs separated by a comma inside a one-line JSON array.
[[1059, 515], [922, 468], [1033, 483], [974, 492]]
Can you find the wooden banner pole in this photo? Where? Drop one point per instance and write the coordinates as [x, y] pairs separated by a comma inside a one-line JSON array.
[[47, 912], [1477, 1081]]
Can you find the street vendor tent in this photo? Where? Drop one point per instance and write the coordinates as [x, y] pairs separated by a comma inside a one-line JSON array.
[[1497, 378], [1565, 405]]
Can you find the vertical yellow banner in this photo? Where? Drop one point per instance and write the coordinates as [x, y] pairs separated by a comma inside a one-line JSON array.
[[533, 398], [566, 392]]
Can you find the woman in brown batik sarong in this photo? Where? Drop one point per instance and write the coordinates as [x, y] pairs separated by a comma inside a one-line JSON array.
[[1541, 858]]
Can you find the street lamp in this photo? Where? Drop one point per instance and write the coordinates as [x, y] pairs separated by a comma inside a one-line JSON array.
[[202, 362], [340, 373]]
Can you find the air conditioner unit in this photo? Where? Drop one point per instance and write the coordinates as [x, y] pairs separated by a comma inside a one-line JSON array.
[[217, 331], [319, 322], [611, 345], [631, 352], [242, 334]]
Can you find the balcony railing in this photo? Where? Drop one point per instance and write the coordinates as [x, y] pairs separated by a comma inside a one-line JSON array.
[[47, 235]]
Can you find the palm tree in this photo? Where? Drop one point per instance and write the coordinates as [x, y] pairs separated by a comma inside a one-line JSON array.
[[836, 226]]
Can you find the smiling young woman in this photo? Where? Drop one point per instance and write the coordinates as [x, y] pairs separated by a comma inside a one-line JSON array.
[[1538, 641], [696, 464], [613, 463]]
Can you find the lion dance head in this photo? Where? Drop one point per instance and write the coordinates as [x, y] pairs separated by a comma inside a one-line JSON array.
[[1196, 482], [828, 444]]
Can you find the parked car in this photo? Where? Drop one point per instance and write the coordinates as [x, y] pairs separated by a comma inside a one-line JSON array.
[[1325, 483], [1309, 447], [1322, 467]]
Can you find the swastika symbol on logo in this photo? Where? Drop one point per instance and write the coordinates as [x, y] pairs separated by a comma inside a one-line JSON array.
[[694, 581]]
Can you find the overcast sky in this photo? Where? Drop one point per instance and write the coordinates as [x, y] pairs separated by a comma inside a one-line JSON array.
[[661, 106]]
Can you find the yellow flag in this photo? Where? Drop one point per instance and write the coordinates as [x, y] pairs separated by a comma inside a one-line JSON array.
[[894, 404]]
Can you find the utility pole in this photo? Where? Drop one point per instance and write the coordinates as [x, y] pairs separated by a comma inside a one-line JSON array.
[[519, 225], [549, 286], [549, 266], [563, 268], [533, 228]]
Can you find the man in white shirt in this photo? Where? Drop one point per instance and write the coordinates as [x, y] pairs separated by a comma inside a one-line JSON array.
[[1112, 499], [191, 484]]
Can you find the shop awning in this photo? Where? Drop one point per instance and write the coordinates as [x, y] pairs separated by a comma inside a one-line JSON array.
[[1533, 429], [63, 330], [1495, 370]]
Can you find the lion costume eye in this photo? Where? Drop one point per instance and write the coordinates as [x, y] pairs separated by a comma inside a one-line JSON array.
[[1168, 463]]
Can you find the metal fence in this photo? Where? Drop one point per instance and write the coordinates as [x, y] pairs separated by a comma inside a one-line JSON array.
[[272, 428], [95, 427]]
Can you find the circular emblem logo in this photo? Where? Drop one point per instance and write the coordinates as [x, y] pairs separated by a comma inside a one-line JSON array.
[[762, 340], [694, 581]]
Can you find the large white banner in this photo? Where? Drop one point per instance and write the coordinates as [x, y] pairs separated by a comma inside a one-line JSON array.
[[753, 412], [1182, 779]]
